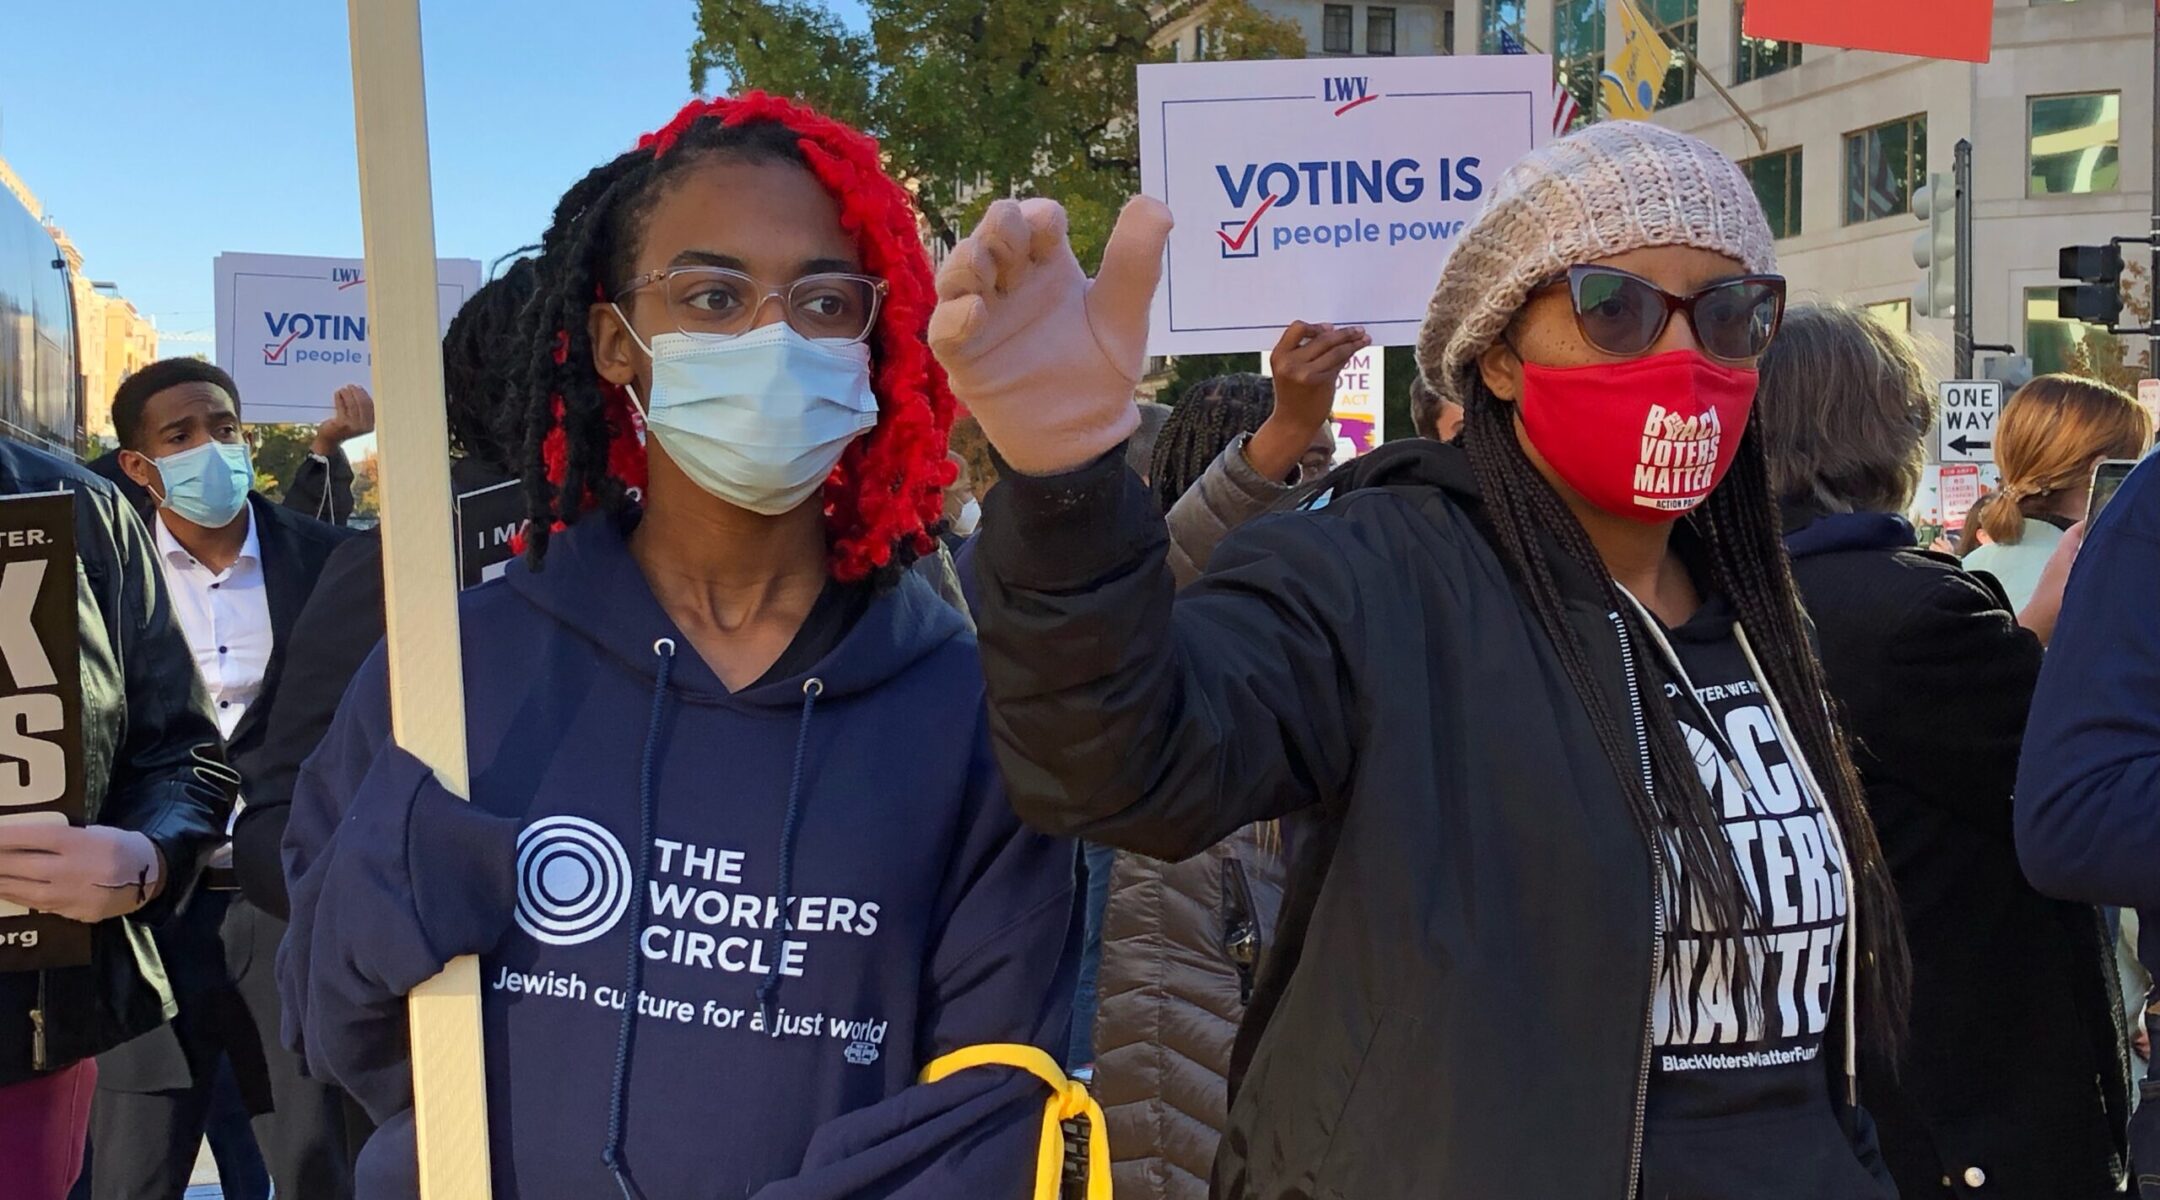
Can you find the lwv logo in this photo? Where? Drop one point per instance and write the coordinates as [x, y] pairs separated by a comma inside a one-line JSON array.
[[1347, 91]]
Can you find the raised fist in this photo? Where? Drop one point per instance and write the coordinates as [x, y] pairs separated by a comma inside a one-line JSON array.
[[1045, 358], [353, 414]]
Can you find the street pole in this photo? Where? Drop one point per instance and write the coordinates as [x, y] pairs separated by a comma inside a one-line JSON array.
[[420, 601], [1962, 166]]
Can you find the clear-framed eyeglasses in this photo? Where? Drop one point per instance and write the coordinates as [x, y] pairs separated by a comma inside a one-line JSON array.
[[717, 302]]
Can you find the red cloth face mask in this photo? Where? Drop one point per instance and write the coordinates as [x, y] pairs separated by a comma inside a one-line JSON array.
[[1647, 439]]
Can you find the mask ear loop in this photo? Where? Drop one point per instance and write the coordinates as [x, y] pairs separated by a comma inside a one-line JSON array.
[[154, 471], [631, 388]]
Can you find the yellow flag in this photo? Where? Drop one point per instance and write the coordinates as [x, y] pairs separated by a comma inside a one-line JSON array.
[[1631, 82]]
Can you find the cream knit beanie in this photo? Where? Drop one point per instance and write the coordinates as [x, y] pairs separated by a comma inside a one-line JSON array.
[[1606, 189]]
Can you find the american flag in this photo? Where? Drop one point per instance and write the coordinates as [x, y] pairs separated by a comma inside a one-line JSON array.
[[1564, 108], [1873, 189]]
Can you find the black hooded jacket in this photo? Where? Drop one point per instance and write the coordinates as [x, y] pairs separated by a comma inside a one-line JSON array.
[[2014, 1080], [1457, 999]]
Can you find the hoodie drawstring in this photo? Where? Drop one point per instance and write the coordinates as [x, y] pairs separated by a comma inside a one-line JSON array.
[[768, 991], [619, 1098]]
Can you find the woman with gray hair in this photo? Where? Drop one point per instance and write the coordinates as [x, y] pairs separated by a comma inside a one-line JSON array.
[[2013, 1018], [1584, 900]]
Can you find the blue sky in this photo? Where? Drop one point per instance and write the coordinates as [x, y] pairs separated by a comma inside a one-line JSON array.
[[159, 134]]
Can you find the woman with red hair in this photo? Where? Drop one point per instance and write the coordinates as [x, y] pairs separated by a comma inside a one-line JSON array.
[[748, 897]]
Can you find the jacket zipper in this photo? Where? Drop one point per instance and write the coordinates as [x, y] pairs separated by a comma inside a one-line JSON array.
[[38, 1054], [1657, 911], [1241, 927]]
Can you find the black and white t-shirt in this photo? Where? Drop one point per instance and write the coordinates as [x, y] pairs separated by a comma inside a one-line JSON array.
[[1740, 1092]]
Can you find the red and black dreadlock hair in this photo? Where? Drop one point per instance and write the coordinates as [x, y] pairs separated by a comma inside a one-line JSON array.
[[584, 448]]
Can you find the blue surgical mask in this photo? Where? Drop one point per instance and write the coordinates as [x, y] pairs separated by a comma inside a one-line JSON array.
[[759, 420], [207, 484]]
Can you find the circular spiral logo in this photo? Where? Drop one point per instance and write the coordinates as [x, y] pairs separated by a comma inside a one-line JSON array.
[[573, 880]]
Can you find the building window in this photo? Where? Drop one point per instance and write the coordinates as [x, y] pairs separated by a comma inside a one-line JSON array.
[[1758, 57], [1894, 315], [1199, 41], [1496, 17], [1379, 30], [1334, 28], [1883, 166], [1675, 22], [2052, 341], [1776, 177], [2073, 144], [1579, 49]]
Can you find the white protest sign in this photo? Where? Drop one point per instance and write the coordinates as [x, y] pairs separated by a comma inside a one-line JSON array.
[[2149, 396], [292, 330], [1360, 409], [1323, 190], [1965, 431]]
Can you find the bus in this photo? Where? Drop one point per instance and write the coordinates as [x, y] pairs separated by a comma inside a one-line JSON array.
[[41, 378]]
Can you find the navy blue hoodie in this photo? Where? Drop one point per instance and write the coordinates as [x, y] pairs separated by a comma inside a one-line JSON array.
[[858, 797], [2086, 828]]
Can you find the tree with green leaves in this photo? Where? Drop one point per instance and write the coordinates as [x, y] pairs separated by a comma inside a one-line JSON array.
[[279, 451], [974, 101]]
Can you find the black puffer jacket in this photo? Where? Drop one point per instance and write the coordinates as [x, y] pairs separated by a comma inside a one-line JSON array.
[[1457, 1003], [152, 762], [2014, 1080]]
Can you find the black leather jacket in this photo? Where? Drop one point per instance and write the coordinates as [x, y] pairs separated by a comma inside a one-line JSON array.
[[152, 762]]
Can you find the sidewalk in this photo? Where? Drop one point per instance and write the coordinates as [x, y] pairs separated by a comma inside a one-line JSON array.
[[203, 1184]]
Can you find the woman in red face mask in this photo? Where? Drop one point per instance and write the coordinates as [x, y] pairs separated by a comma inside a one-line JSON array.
[[1584, 898]]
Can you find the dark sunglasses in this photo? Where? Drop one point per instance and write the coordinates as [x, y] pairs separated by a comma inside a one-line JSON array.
[[1624, 314]]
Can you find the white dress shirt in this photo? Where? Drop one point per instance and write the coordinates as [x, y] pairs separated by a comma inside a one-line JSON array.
[[226, 617]]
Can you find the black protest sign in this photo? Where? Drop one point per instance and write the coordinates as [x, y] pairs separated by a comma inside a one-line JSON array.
[[487, 520], [41, 734]]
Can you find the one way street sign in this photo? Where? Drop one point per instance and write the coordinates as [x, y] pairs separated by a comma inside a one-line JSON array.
[[1965, 431]]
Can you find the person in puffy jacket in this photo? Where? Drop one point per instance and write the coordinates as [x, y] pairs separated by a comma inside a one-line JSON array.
[[1912, 645], [1182, 942], [753, 916], [1586, 900], [157, 791]]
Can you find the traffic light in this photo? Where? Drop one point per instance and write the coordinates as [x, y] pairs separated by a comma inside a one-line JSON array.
[[1936, 250], [2097, 299]]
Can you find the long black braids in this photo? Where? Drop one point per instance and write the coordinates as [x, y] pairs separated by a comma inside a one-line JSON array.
[[1739, 526], [479, 366], [572, 274], [1209, 416], [1740, 521]]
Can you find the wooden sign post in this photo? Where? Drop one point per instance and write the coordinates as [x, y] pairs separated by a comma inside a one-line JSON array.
[[427, 690]]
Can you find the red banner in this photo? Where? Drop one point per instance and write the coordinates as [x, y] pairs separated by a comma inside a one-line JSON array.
[[1935, 29]]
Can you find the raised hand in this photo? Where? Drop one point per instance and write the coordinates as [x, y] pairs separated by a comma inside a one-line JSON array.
[[353, 414], [1045, 358], [1304, 363]]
